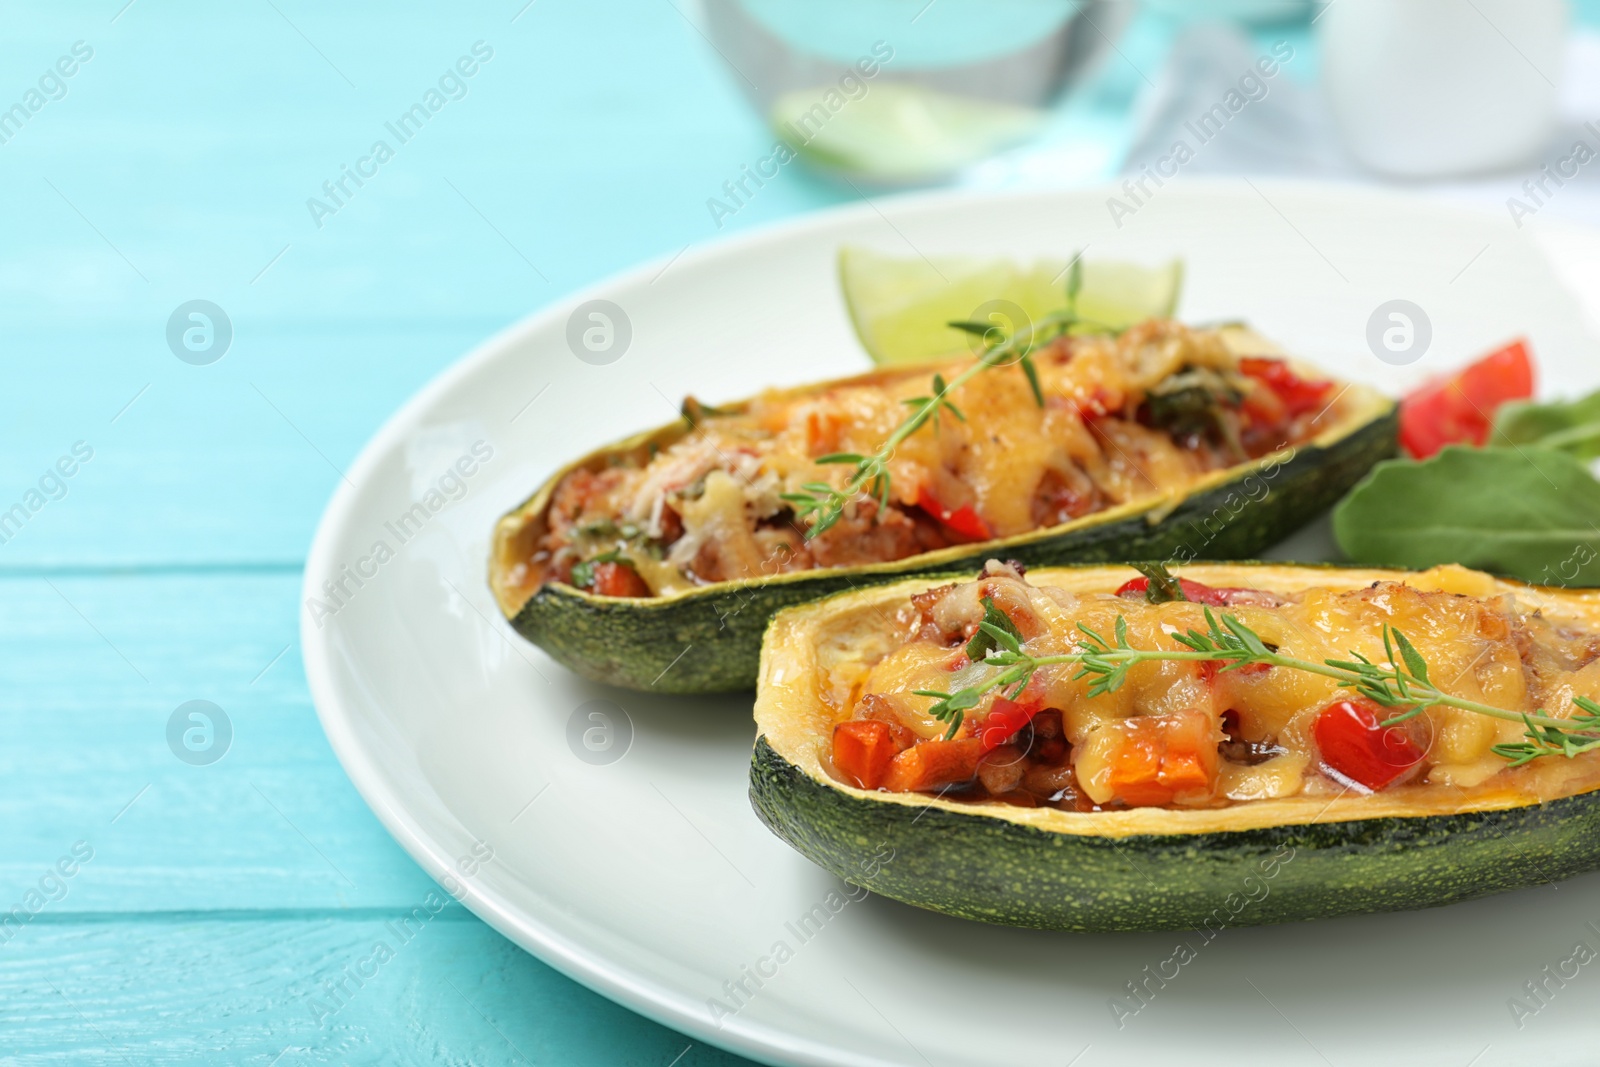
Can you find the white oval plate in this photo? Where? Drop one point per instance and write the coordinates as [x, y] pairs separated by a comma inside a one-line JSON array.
[[649, 879]]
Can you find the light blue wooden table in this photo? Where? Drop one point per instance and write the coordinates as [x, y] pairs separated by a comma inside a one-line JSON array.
[[173, 913]]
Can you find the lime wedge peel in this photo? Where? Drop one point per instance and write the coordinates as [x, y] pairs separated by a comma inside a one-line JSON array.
[[900, 306]]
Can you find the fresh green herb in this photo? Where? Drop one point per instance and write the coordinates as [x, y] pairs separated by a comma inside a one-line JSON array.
[[1197, 402], [1402, 684], [995, 631], [694, 490], [823, 504], [937, 400], [1570, 740], [583, 573], [1530, 512], [1569, 425], [952, 706], [1163, 586], [607, 528]]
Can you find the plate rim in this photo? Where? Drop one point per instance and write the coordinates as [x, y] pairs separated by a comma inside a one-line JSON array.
[[655, 1001]]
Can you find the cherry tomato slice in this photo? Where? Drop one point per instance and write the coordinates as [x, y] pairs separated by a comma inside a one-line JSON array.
[[963, 520], [1460, 409], [1356, 748]]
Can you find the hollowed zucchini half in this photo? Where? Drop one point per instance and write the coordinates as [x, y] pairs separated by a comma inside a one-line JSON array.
[[1254, 863], [708, 639]]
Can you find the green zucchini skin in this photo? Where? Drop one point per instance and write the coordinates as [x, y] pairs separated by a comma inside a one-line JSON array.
[[979, 867], [709, 640]]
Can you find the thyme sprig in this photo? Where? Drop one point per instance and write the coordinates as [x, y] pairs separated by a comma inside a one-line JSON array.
[[823, 504], [1403, 683]]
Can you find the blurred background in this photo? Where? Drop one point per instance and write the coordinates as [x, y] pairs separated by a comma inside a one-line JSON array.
[[352, 197]]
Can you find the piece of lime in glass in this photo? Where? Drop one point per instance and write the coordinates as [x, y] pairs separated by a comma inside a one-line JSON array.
[[899, 134], [900, 306]]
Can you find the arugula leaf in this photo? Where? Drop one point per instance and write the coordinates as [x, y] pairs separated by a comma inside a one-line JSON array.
[[1163, 586], [1531, 512], [1570, 425], [996, 631]]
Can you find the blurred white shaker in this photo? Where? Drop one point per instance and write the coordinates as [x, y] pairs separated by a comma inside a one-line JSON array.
[[1437, 88]]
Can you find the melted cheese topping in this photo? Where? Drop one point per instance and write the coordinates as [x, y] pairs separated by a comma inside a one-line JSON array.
[[712, 505], [1479, 644]]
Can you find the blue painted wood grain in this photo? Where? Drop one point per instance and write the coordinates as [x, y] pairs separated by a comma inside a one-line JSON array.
[[177, 164]]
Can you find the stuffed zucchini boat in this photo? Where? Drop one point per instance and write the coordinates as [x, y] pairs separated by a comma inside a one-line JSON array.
[[658, 561], [1258, 743]]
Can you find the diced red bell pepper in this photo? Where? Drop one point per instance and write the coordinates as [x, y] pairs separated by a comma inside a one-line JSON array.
[[863, 750], [1006, 717], [1460, 409], [1199, 592], [963, 520], [1355, 747], [1299, 395], [931, 764], [618, 579]]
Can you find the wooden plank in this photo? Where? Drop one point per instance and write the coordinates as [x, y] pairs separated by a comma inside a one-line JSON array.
[[209, 465], [95, 668], [178, 166], [182, 989]]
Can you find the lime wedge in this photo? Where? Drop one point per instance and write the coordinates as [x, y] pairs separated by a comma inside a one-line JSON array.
[[900, 306]]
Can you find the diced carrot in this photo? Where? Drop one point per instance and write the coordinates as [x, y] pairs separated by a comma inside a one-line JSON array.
[[932, 764], [822, 432], [863, 750], [1150, 760]]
